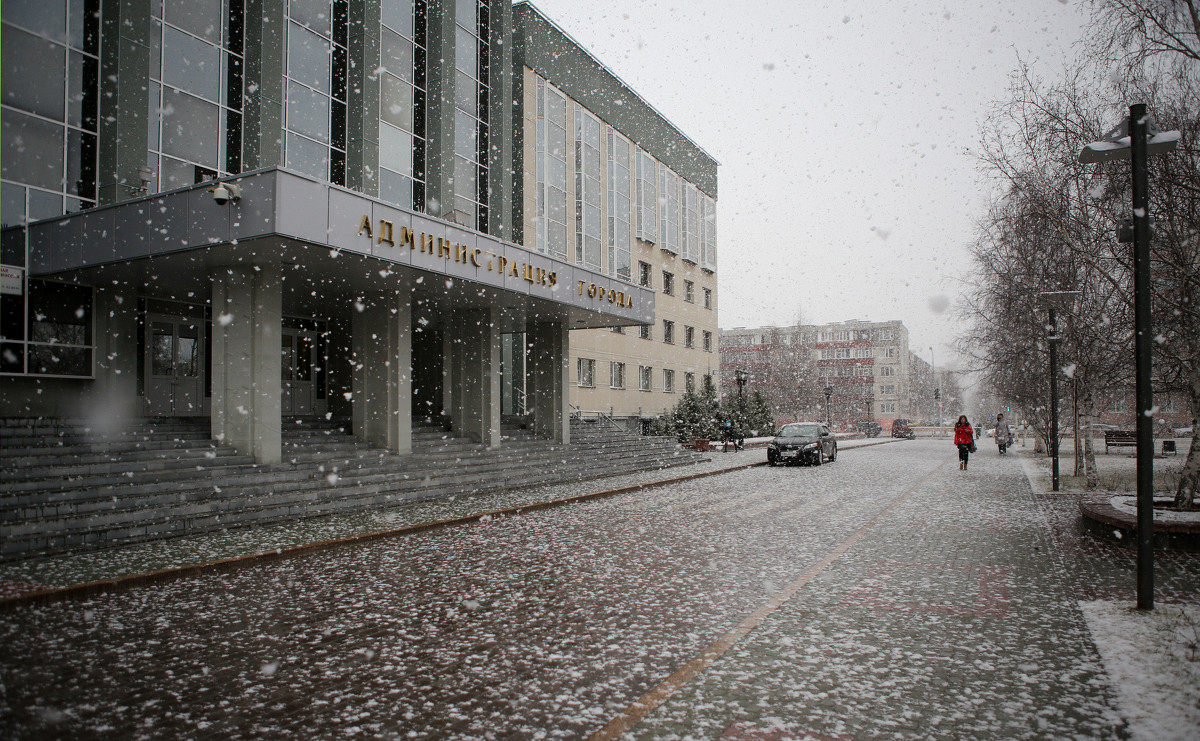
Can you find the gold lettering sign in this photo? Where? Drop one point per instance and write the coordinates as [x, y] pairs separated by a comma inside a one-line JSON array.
[[385, 233]]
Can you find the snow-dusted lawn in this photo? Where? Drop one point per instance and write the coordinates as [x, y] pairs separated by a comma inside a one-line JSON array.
[[1153, 661]]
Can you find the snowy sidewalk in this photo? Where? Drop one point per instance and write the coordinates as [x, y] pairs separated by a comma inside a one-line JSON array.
[[66, 570]]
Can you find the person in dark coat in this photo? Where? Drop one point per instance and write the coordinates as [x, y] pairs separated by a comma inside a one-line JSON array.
[[964, 438]]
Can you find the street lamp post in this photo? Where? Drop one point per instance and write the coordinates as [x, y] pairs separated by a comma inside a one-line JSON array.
[[1136, 140], [937, 391], [1052, 301], [828, 396], [740, 376]]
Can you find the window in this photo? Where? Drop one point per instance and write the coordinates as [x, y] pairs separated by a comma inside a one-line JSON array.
[[668, 283], [647, 198], [471, 70], [689, 382], [668, 193], [587, 190], [708, 233], [616, 375], [887, 352], [708, 298], [645, 378], [668, 381], [618, 330], [620, 207], [644, 331], [551, 193], [886, 334], [668, 331], [842, 353], [862, 370], [888, 389], [586, 372], [315, 109], [689, 291], [845, 370], [644, 275], [689, 336], [887, 407], [59, 331], [862, 352], [1119, 405], [887, 370], [401, 104], [691, 224], [708, 341]]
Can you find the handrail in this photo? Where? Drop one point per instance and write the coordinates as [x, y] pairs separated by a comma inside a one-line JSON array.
[[581, 414]]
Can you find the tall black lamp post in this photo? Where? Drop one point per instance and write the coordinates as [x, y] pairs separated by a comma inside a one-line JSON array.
[[740, 376], [828, 396], [1136, 139], [1053, 300]]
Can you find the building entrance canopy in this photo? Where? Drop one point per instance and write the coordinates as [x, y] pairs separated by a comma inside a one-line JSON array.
[[331, 244]]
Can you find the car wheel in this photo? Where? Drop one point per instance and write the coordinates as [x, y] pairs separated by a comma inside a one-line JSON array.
[[833, 454], [816, 459], [771, 460]]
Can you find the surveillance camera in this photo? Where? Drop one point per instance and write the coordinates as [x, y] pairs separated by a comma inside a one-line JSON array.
[[225, 192]]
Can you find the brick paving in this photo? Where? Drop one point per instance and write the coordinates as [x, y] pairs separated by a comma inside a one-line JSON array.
[[886, 595]]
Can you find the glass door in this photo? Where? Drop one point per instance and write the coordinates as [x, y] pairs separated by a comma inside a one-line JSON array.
[[174, 366]]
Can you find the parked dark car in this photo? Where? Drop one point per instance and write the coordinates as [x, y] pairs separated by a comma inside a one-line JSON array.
[[802, 442], [901, 428], [869, 428]]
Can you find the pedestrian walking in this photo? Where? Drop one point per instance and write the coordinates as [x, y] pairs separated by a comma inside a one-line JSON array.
[[1003, 434], [727, 437], [964, 438]]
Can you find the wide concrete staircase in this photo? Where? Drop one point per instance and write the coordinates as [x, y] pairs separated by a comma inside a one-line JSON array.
[[68, 486]]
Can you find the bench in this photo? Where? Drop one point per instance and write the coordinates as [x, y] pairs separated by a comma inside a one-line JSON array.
[[1119, 439]]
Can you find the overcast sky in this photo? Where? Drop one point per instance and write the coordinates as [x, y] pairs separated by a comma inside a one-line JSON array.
[[845, 189]]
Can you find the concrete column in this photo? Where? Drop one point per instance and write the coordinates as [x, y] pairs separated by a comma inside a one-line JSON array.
[[370, 375], [476, 374], [549, 376], [448, 395], [383, 374], [115, 393], [399, 365], [247, 339]]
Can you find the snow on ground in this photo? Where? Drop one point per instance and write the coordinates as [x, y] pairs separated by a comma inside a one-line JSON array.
[[1153, 661]]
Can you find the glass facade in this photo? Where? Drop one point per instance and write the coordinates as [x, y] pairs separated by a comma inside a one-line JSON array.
[[316, 74], [588, 229], [471, 96], [194, 126], [49, 112], [647, 198], [620, 260], [402, 102], [551, 213]]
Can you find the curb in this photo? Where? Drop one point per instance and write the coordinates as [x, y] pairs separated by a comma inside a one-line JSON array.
[[162, 576]]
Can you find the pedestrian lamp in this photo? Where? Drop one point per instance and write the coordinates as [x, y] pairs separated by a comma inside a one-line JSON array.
[[828, 396], [1136, 139], [740, 376], [1053, 300]]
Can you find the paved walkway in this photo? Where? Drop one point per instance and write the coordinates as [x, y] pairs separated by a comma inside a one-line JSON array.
[[887, 595], [36, 574]]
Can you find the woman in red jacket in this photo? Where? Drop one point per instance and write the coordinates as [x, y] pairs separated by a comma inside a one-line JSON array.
[[964, 438]]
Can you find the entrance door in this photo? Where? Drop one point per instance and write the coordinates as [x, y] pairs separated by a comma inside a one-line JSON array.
[[174, 366], [299, 391]]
